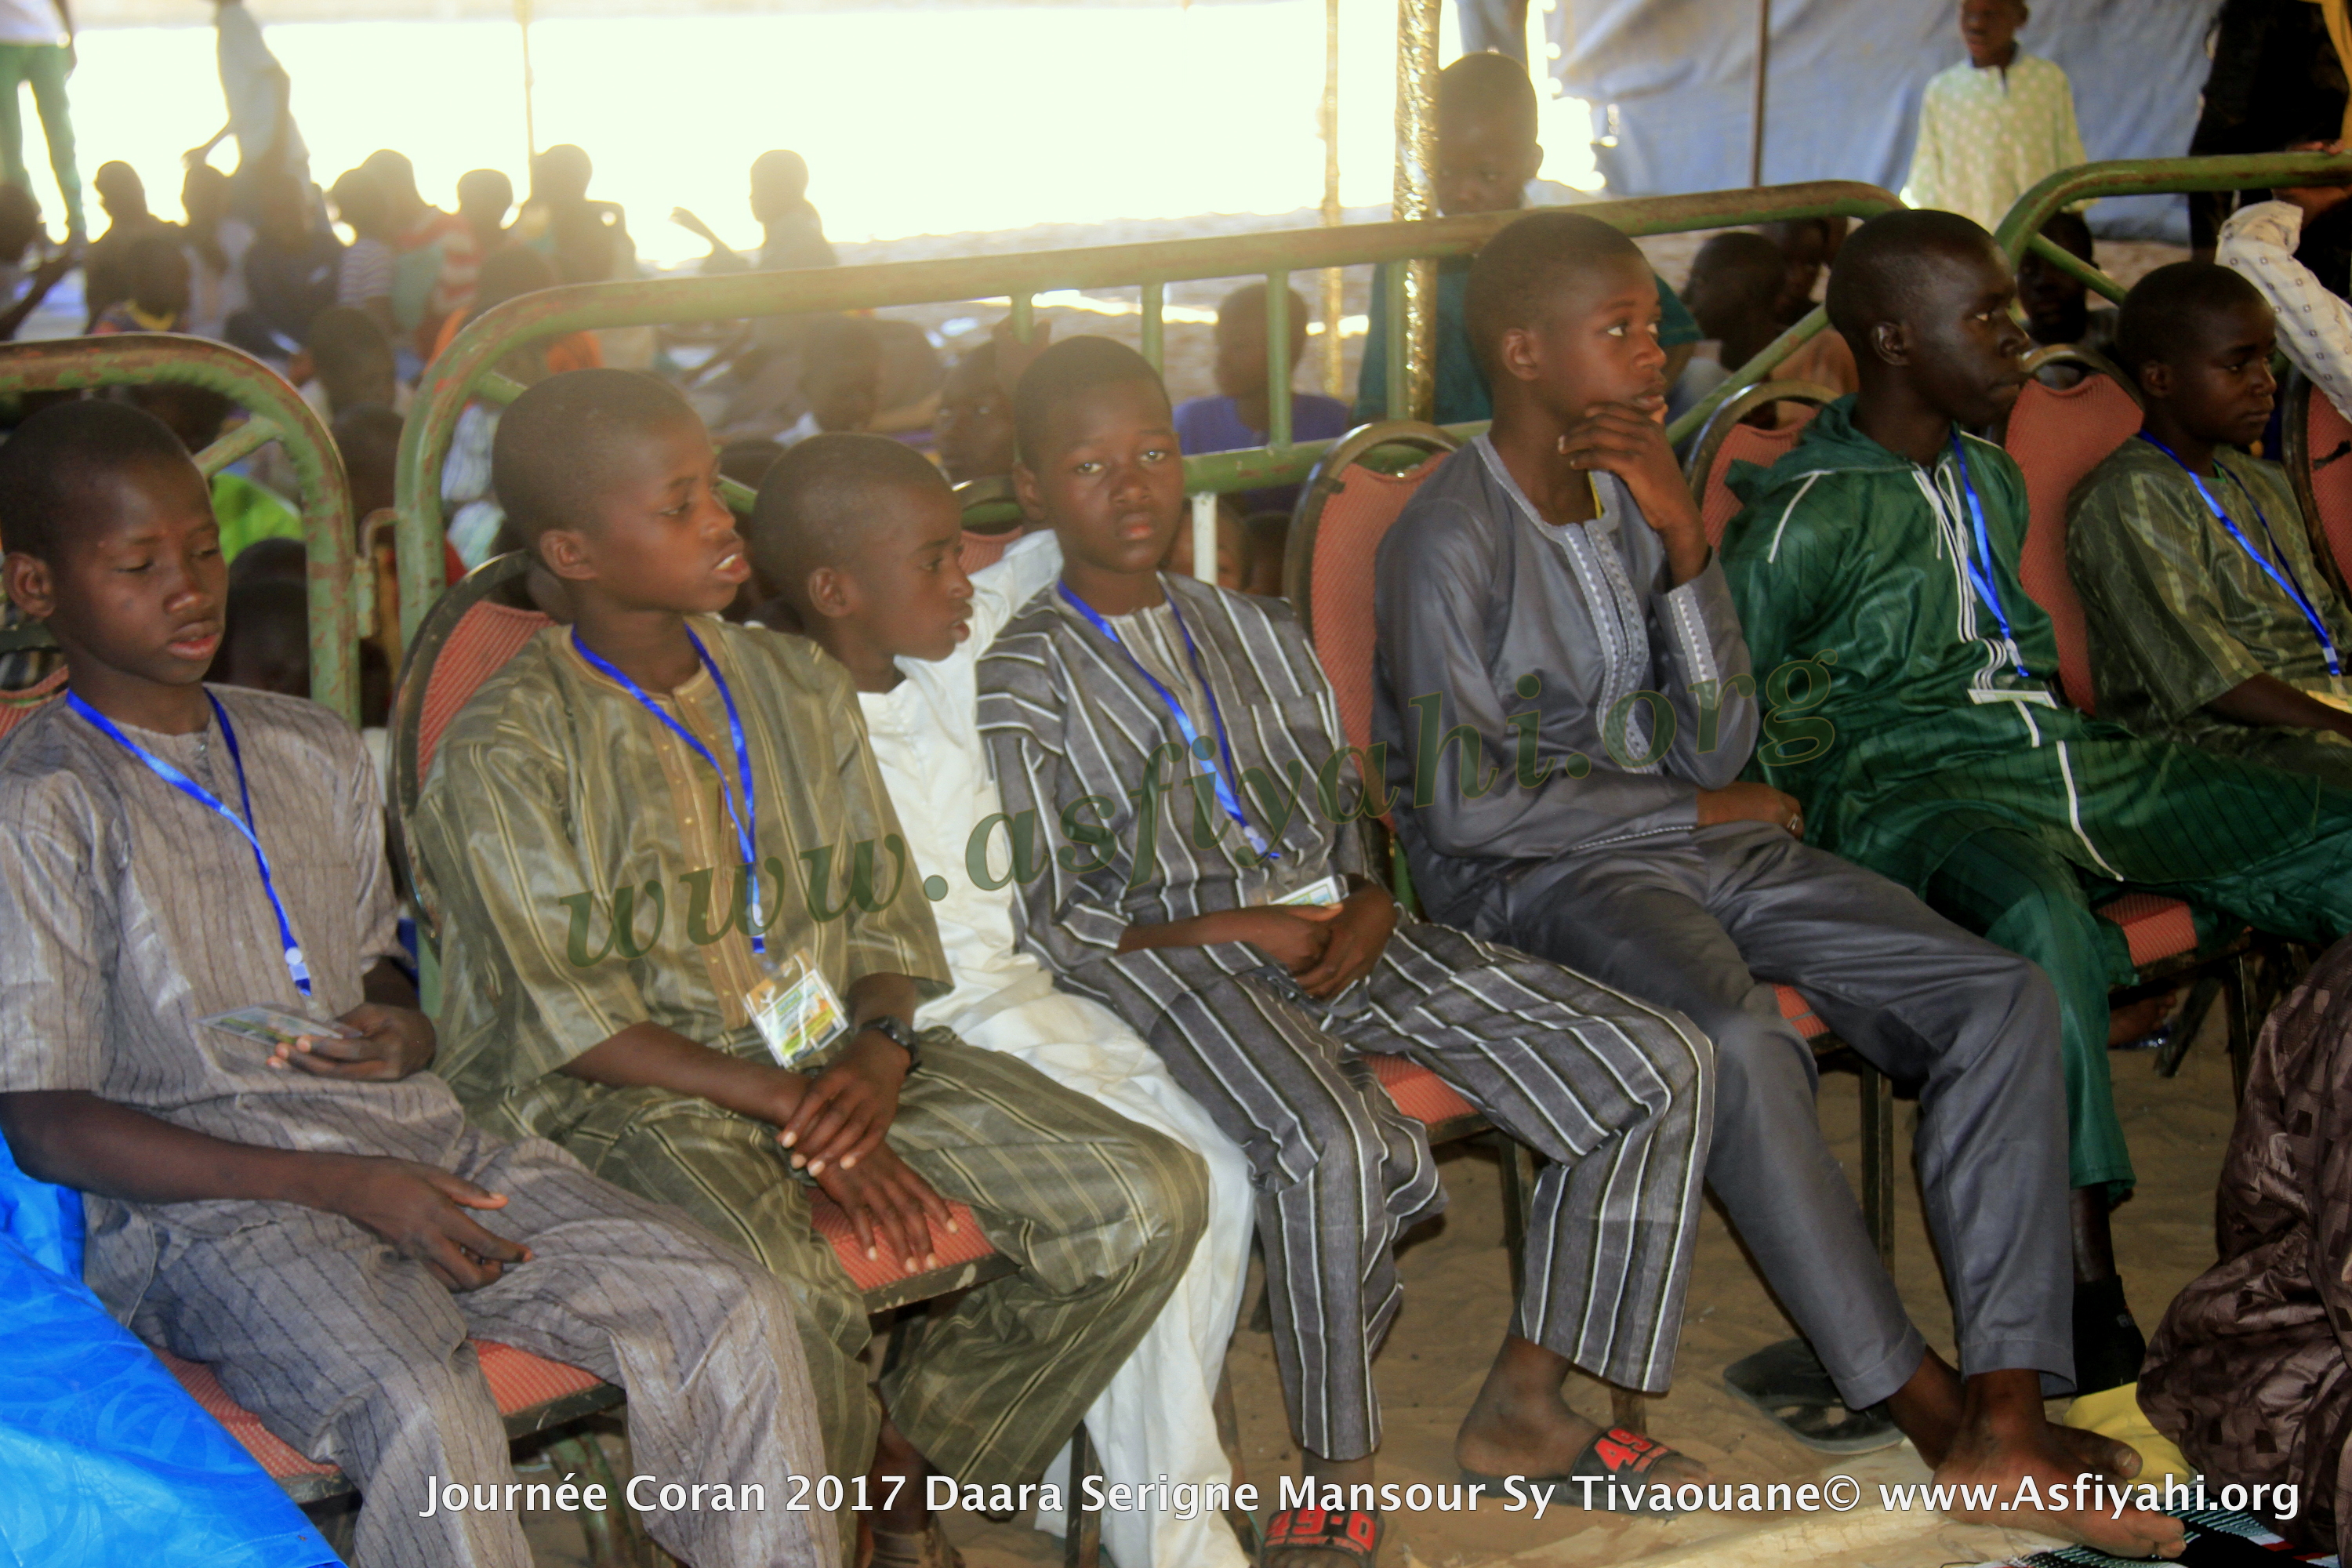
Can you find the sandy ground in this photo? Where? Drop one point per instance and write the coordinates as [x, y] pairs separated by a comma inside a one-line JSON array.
[[1457, 1301]]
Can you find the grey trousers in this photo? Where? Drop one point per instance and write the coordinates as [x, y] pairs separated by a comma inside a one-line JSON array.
[[1612, 1091], [1706, 924], [353, 1355]]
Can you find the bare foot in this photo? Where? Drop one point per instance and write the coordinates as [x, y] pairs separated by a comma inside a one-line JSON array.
[[2104, 1456], [2004, 1442], [1520, 1425]]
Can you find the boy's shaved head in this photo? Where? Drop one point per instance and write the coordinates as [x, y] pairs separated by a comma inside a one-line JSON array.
[[1882, 269], [817, 502], [550, 455], [1488, 86], [1748, 261], [1522, 271], [1067, 371], [54, 467], [2171, 310]]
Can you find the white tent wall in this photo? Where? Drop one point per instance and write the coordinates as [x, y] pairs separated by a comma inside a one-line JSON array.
[[1671, 84]]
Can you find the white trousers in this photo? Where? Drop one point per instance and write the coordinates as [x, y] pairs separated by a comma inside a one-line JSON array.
[[1154, 1420]]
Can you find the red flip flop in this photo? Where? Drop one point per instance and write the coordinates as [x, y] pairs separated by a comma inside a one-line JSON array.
[[1615, 1456], [1352, 1533]]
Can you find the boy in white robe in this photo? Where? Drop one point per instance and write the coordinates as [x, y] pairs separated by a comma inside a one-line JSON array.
[[858, 536]]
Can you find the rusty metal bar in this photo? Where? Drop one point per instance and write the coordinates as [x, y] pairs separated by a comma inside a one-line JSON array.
[[465, 369], [245, 439], [1155, 323], [2153, 176], [1277, 359], [132, 359], [1399, 385]]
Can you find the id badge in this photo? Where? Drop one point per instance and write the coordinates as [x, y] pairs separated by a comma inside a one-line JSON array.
[[796, 1011], [1320, 893], [272, 1026]]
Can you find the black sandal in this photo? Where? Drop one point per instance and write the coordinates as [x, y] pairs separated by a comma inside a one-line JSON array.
[[1788, 1384]]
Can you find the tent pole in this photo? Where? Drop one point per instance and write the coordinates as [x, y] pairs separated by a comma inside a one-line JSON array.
[[1334, 291], [1416, 196], [1756, 120], [530, 128]]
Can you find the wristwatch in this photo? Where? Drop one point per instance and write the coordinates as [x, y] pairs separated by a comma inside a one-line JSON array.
[[898, 1035]]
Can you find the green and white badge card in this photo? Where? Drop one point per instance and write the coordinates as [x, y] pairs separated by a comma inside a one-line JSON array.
[[796, 1011]]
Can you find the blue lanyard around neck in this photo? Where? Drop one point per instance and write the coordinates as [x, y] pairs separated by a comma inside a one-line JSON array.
[[296, 964], [2279, 572], [1980, 565], [1224, 775], [747, 821]]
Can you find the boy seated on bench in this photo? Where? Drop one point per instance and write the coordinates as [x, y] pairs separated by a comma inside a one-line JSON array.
[[1882, 552], [2209, 622], [1552, 583], [861, 535], [1178, 737], [313, 1218], [741, 1033]]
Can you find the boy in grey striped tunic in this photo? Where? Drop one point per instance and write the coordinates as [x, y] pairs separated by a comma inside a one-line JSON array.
[[317, 1222], [1164, 901]]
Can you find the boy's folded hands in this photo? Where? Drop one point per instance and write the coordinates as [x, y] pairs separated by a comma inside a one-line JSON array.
[[889, 1207], [847, 1107], [1357, 934]]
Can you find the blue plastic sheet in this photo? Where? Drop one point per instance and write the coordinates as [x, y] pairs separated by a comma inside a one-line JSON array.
[[1670, 83], [105, 1462]]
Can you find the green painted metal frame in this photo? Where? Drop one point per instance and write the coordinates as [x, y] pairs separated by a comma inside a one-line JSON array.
[[2020, 228], [466, 369], [339, 593]]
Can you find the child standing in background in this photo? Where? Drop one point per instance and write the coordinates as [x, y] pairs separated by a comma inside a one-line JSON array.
[[1993, 128], [1242, 412]]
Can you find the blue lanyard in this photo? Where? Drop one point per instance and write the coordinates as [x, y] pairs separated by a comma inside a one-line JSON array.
[[747, 823], [1981, 574], [2277, 573], [295, 965], [1223, 776]]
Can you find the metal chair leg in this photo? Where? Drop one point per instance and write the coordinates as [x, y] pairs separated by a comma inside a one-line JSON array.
[[1879, 1161], [2184, 1028], [1518, 1165], [611, 1535], [1229, 1438], [1082, 1541], [2241, 995]]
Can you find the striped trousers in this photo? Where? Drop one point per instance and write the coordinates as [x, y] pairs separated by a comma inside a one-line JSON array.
[[1101, 1215], [1614, 1093], [352, 1354]]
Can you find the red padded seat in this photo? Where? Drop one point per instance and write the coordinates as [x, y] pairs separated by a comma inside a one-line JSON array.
[[517, 1380]]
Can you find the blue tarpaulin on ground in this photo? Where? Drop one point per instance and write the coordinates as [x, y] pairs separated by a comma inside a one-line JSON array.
[[105, 1462], [1670, 83]]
